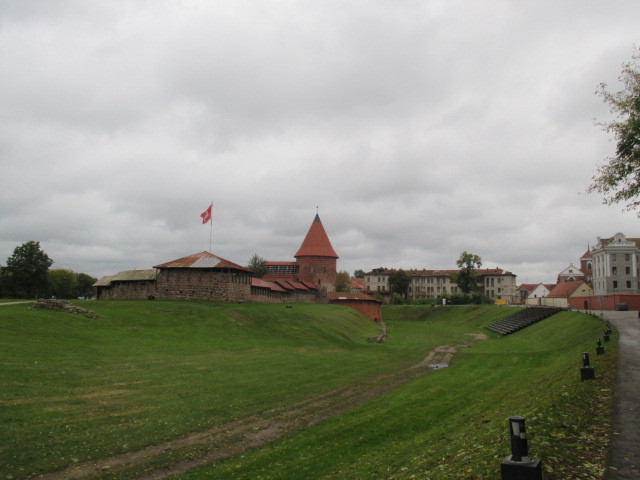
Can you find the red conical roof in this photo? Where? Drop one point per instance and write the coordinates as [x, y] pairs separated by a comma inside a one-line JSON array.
[[316, 243]]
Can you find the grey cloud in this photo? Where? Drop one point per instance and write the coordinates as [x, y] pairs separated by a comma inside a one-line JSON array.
[[421, 129]]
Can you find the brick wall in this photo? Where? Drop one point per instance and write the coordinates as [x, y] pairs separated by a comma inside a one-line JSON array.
[[371, 309], [321, 271], [608, 301]]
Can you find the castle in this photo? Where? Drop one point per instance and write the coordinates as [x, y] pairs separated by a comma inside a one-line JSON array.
[[205, 276]]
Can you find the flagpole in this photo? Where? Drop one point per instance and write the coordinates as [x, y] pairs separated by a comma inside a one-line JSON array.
[[211, 227]]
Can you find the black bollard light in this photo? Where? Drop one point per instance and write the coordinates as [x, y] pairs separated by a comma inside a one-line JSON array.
[[519, 465], [586, 371], [606, 336], [599, 348], [608, 330]]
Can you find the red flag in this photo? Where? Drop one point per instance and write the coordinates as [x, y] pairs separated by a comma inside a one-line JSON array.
[[206, 215]]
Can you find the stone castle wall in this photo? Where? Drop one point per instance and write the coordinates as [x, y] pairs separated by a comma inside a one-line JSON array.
[[127, 291], [263, 295], [201, 284]]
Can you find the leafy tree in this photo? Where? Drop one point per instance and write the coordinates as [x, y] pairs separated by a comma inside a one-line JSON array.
[[3, 288], [25, 275], [343, 282], [618, 179], [84, 285], [62, 283], [358, 274], [468, 263], [258, 266], [399, 282]]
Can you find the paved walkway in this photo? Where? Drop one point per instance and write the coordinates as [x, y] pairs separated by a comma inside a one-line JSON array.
[[625, 445]]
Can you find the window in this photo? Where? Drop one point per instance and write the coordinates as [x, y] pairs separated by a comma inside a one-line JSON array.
[[627, 257], [614, 270], [628, 284], [627, 270], [613, 257], [615, 284]]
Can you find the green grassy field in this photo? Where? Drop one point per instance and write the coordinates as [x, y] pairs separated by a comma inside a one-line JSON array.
[[77, 390]]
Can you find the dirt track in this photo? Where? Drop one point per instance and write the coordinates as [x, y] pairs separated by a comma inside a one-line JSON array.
[[235, 437]]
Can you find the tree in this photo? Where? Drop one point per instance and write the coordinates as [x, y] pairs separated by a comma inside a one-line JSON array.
[[399, 282], [258, 266], [468, 263], [343, 282], [358, 274], [84, 285], [25, 275], [618, 179], [62, 283]]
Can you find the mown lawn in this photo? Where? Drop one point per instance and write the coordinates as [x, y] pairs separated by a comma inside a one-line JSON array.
[[76, 389]]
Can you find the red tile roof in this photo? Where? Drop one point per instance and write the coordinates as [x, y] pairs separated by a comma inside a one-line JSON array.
[[284, 284], [316, 243], [202, 260], [297, 285], [437, 273], [258, 282], [564, 290]]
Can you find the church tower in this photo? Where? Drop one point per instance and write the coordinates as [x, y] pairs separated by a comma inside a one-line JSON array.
[[586, 265], [317, 260]]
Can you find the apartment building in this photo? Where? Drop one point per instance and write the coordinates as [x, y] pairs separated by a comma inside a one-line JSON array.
[[615, 263], [495, 283]]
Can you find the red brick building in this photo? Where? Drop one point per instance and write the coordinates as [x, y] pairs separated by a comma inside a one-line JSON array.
[[316, 262]]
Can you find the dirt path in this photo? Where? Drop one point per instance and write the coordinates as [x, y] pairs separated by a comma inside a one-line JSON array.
[[235, 437]]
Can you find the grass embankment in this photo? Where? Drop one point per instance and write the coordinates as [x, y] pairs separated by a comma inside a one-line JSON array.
[[77, 389], [74, 388], [452, 423]]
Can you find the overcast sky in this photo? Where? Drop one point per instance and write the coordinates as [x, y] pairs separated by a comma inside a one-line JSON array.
[[419, 128]]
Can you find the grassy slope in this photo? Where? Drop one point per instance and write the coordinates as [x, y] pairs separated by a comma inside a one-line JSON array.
[[76, 389], [453, 422]]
